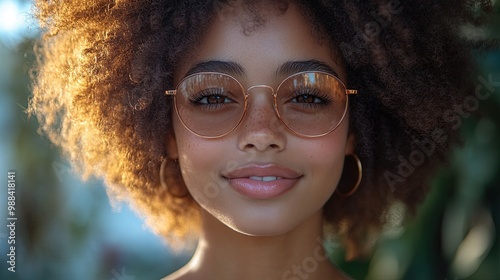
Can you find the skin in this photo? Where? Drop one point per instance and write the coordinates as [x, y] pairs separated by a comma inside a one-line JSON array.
[[247, 238]]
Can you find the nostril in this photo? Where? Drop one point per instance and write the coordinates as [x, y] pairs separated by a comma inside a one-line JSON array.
[[249, 146], [274, 146]]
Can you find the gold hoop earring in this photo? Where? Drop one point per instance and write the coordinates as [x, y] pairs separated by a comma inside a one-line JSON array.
[[349, 179], [171, 178]]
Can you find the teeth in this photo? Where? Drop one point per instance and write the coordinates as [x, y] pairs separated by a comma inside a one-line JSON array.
[[265, 178]]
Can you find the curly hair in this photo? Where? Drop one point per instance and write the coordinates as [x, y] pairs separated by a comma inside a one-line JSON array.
[[104, 65]]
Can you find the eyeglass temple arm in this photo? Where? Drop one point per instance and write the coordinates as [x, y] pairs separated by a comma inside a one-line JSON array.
[[352, 91]]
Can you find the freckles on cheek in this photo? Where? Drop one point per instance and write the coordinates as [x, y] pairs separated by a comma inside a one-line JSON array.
[[190, 155], [199, 158]]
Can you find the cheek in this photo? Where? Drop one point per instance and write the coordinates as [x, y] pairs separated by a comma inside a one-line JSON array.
[[325, 168], [324, 159], [200, 160]]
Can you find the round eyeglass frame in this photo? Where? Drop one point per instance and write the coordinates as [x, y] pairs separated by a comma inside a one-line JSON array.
[[246, 93]]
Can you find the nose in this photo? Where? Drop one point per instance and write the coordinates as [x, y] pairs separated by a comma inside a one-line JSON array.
[[261, 130]]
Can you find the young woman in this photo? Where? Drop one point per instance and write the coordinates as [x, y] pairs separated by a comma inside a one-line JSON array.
[[256, 127]]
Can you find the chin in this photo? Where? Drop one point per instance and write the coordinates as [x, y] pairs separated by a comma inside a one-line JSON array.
[[263, 225]]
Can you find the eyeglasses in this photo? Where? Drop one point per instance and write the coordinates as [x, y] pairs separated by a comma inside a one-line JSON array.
[[310, 104]]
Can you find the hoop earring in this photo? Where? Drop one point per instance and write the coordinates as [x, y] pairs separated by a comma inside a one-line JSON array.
[[347, 178], [171, 178]]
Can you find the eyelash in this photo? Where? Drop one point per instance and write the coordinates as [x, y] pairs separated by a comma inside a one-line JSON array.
[[196, 98], [324, 98]]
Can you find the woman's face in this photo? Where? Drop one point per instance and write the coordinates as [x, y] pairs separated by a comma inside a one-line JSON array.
[[224, 174]]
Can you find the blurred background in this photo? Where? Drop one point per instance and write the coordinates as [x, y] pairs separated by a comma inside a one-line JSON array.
[[67, 229]]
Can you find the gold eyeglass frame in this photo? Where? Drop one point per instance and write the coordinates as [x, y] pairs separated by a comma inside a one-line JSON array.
[[274, 94]]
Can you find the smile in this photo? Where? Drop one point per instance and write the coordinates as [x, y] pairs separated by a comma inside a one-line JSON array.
[[265, 178]]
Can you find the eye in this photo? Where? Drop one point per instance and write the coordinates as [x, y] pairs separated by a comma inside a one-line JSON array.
[[214, 99], [307, 98], [310, 96], [211, 96]]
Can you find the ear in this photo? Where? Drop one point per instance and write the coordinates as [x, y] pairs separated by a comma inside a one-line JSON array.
[[171, 146], [350, 144]]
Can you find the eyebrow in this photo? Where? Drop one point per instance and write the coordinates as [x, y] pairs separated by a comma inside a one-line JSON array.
[[286, 69], [292, 67], [226, 67]]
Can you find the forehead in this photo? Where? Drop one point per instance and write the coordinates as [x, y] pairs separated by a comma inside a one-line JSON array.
[[260, 41]]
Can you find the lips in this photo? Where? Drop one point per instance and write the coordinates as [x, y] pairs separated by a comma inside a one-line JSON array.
[[262, 181]]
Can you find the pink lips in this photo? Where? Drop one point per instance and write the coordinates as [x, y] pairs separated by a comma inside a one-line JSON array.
[[262, 181]]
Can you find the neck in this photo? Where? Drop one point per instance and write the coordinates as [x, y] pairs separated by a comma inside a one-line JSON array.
[[223, 253]]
